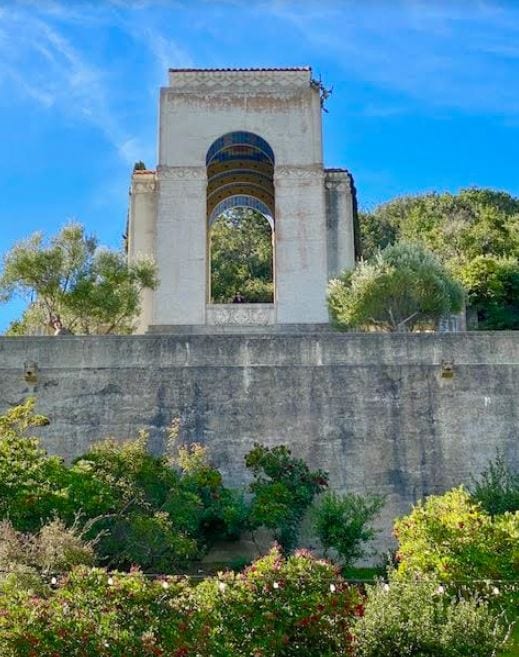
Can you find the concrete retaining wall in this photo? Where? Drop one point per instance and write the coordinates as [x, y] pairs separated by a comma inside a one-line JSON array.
[[378, 412]]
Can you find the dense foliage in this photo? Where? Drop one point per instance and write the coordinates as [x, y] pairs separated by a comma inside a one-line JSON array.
[[284, 487], [137, 506], [453, 539], [30, 480], [277, 608], [92, 290], [416, 618], [401, 288], [450, 595], [344, 523], [475, 233], [242, 257]]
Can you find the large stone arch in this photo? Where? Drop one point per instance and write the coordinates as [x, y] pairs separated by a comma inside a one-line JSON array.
[[240, 174]]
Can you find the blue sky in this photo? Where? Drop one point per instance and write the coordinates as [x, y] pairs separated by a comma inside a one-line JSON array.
[[425, 94]]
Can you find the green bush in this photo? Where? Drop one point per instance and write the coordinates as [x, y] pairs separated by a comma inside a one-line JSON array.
[[451, 537], [30, 480], [343, 523], [137, 507], [416, 619], [277, 608], [284, 488], [403, 287]]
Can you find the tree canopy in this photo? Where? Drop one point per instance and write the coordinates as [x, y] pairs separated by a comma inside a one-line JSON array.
[[401, 288], [241, 257], [474, 233], [91, 289]]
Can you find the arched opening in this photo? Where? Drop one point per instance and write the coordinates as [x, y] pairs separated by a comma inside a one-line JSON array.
[[240, 219], [241, 257]]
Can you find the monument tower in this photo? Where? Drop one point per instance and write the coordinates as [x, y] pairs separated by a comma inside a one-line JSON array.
[[240, 138]]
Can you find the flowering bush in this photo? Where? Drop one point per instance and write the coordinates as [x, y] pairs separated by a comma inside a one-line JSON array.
[[277, 608], [286, 607]]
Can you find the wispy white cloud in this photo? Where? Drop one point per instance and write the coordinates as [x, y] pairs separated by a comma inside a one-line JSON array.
[[40, 60], [443, 53]]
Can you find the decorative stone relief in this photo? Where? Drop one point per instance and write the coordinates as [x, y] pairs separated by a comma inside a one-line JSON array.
[[182, 173], [247, 314], [144, 186], [239, 81], [298, 172]]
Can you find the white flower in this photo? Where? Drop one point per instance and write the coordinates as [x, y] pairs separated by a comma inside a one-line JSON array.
[[386, 588], [222, 586], [495, 590], [440, 590], [110, 581], [332, 588], [275, 585], [165, 585]]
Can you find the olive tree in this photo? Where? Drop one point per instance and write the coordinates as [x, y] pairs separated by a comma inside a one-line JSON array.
[[91, 289], [401, 288]]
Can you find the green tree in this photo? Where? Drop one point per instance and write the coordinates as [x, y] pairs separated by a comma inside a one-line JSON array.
[[403, 287], [284, 488], [92, 290], [343, 523], [475, 233], [492, 285], [241, 257]]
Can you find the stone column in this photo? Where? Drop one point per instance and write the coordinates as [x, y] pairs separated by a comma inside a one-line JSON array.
[[339, 221], [300, 245], [141, 233], [181, 246]]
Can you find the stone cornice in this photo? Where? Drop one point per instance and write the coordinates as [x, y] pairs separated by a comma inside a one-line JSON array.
[[337, 180]]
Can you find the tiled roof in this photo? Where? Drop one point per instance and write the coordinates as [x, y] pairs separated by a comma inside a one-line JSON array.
[[221, 70]]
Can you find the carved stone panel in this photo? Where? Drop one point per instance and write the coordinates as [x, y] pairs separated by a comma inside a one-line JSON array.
[[241, 314]]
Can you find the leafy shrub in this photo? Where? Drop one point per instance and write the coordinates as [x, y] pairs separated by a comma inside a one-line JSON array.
[[54, 548], [343, 522], [414, 618], [150, 513], [474, 233], [450, 536], [280, 606], [137, 507], [277, 608], [30, 479], [497, 488], [92, 614], [402, 288], [284, 487]]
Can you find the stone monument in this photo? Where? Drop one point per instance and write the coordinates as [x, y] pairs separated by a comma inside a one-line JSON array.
[[248, 138]]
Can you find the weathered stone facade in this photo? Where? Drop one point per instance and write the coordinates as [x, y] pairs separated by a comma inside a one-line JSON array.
[[275, 115], [402, 415]]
